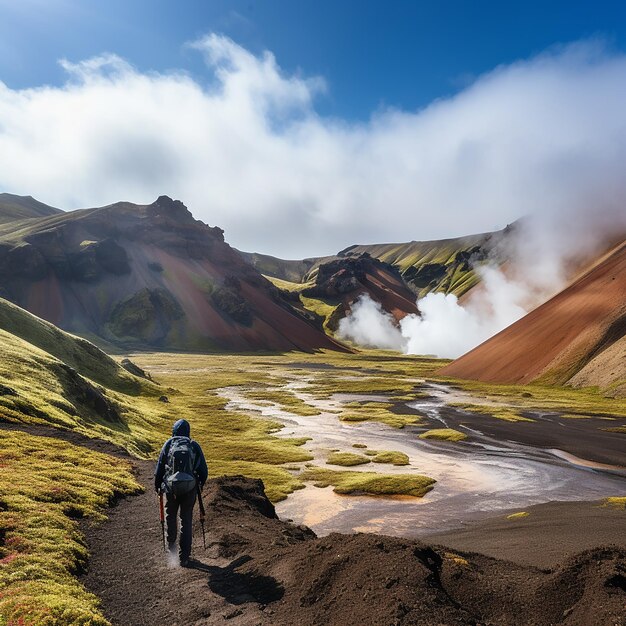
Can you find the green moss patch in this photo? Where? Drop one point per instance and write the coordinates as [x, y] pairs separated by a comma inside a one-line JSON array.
[[370, 483], [287, 400], [499, 412], [444, 434], [391, 457], [347, 459], [377, 412]]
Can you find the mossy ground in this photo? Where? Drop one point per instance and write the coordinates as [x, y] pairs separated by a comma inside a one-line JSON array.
[[285, 399], [45, 485], [499, 412], [584, 402], [443, 434], [383, 412], [391, 457], [347, 459], [370, 483]]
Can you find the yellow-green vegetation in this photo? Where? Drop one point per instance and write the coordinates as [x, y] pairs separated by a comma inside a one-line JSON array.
[[45, 485], [520, 515], [457, 559], [377, 412], [444, 434], [391, 457], [359, 445], [41, 389], [323, 309], [370, 483], [618, 502], [347, 459], [585, 402], [499, 412], [616, 429], [285, 398], [288, 285], [370, 385]]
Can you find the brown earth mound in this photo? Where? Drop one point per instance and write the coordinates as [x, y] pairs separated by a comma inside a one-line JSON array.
[[561, 337], [261, 570], [142, 276]]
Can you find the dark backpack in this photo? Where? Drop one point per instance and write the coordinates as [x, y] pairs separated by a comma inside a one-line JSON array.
[[179, 476]]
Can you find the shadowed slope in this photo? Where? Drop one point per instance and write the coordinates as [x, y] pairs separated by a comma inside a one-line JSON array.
[[13, 208]]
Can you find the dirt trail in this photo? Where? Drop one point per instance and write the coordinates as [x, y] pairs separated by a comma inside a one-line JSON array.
[[259, 570]]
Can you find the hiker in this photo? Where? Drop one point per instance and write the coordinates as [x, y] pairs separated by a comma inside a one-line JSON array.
[[180, 474]]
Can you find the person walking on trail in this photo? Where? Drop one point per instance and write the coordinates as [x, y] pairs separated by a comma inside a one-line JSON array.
[[180, 474]]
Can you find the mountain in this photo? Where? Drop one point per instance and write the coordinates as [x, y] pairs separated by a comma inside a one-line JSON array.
[[331, 287], [441, 265], [147, 276], [13, 208], [577, 336]]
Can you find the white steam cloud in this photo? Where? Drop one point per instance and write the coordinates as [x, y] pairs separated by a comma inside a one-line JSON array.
[[444, 327], [246, 150]]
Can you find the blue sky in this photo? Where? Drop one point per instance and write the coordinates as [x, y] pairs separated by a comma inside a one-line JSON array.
[[372, 54]]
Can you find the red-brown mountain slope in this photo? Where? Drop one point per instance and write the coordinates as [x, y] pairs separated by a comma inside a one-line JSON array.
[[559, 338]]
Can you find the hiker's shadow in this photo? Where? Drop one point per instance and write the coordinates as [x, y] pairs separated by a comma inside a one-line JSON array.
[[240, 587]]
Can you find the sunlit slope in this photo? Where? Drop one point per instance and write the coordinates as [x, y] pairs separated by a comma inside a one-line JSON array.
[[445, 265], [580, 329], [13, 208], [52, 378], [441, 266], [147, 276]]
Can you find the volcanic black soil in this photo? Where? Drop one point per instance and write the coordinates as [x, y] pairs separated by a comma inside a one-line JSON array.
[[259, 570]]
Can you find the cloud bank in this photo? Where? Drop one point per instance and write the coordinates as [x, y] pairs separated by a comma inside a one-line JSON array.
[[246, 150]]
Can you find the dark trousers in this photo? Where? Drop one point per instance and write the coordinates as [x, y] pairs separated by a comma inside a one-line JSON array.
[[183, 505]]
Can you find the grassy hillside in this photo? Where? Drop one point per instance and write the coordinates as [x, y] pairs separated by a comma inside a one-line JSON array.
[[441, 266], [13, 208], [444, 265]]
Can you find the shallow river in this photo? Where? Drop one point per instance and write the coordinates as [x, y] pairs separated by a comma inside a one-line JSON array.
[[474, 479]]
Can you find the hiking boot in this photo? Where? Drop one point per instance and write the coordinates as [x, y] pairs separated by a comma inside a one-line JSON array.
[[184, 562]]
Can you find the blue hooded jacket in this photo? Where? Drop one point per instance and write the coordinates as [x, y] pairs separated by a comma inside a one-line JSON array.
[[181, 429]]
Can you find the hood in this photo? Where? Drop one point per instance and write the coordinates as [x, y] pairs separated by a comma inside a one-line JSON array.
[[181, 429]]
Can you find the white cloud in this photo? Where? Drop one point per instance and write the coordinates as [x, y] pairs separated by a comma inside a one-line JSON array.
[[248, 152]]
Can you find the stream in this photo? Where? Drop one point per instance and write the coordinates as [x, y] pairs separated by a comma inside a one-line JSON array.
[[475, 478]]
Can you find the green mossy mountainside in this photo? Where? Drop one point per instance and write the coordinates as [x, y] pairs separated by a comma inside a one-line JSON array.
[[425, 266], [147, 276]]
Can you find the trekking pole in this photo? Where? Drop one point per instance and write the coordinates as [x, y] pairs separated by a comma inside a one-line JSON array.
[[162, 514], [201, 506]]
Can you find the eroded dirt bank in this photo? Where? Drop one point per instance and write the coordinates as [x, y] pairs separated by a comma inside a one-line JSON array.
[[261, 570]]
